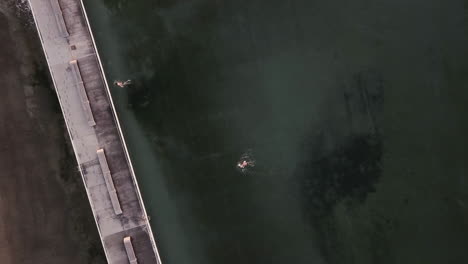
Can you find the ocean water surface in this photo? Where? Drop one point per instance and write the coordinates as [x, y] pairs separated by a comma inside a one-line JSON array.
[[354, 113]]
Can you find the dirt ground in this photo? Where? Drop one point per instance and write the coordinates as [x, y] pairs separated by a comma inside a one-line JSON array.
[[44, 213]]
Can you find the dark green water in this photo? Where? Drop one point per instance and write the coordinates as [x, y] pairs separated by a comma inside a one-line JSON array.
[[355, 112]]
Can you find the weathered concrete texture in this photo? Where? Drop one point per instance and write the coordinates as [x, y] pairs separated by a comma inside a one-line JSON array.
[[88, 138]]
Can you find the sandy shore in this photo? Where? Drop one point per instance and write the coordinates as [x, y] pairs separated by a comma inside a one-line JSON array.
[[44, 213]]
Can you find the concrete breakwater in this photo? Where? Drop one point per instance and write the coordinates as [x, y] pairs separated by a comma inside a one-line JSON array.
[[94, 131]]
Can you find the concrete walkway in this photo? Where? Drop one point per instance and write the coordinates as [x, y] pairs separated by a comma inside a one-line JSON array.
[[94, 131]]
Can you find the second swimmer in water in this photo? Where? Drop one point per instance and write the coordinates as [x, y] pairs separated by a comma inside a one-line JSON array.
[[122, 84]]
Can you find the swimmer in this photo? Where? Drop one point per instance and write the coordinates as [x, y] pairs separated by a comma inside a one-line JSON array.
[[246, 161], [243, 164], [122, 84]]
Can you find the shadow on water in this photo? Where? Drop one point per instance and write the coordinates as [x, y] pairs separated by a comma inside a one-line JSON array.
[[347, 170], [348, 173]]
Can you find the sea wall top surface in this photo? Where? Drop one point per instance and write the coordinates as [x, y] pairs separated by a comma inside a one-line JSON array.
[[119, 211]]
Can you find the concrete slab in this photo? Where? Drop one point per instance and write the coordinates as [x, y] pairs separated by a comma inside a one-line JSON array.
[[117, 205]]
